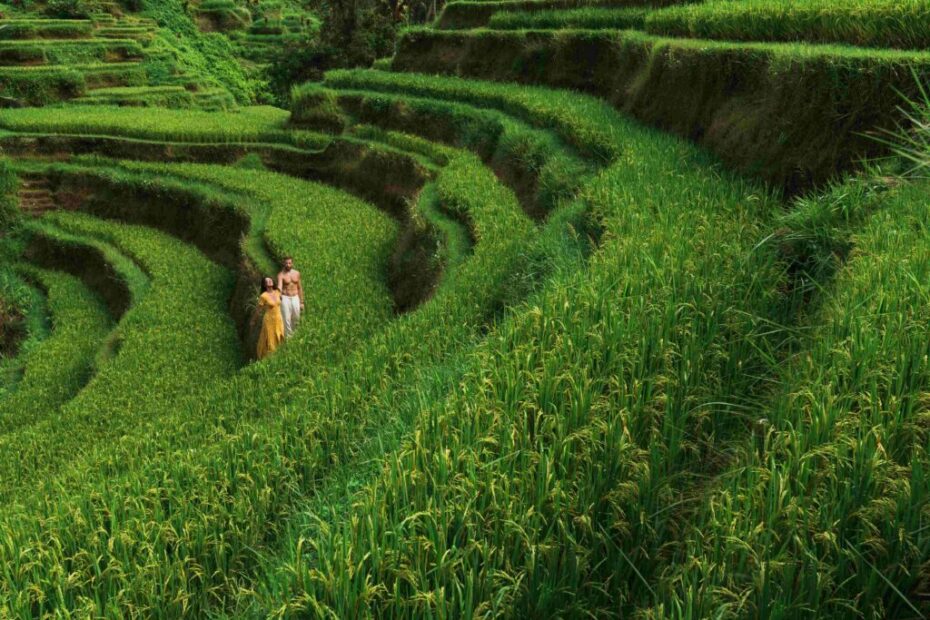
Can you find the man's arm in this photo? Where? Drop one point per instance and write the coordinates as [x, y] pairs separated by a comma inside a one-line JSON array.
[[300, 289], [280, 281]]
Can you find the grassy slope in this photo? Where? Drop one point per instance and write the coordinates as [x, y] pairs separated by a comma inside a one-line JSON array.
[[247, 124], [869, 23], [795, 115], [345, 293], [590, 415], [283, 444], [60, 365], [203, 55], [183, 318], [902, 24], [471, 514], [20, 299], [826, 509]]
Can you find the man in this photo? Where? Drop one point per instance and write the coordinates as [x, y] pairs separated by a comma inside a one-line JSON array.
[[292, 296]]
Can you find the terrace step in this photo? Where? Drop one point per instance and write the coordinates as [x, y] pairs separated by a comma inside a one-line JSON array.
[[143, 34], [103, 18], [66, 51], [36, 197], [31, 29], [170, 96]]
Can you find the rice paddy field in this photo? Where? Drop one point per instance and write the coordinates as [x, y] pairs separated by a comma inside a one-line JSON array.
[[614, 309]]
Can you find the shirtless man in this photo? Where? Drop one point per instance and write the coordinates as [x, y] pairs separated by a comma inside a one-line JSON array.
[[292, 296]]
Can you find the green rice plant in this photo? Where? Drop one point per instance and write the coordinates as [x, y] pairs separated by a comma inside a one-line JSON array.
[[248, 124], [461, 15], [748, 102], [161, 96], [58, 366], [9, 185], [24, 326], [910, 140], [826, 508], [535, 164], [215, 99], [30, 54], [133, 90], [901, 24], [210, 5], [432, 154], [143, 34], [595, 18], [108, 74], [540, 485], [281, 442], [173, 344], [44, 29], [70, 51], [314, 107], [579, 121], [40, 85]]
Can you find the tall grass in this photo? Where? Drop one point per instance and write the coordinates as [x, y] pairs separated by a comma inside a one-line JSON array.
[[825, 510], [731, 96], [537, 486], [902, 24], [44, 28], [476, 14], [585, 18], [173, 344], [583, 122], [541, 169], [25, 324], [58, 366], [250, 124], [257, 449], [75, 51]]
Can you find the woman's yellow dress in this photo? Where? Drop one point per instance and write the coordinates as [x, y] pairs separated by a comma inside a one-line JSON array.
[[272, 333]]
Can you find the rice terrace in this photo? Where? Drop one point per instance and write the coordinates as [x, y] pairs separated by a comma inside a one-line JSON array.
[[425, 309]]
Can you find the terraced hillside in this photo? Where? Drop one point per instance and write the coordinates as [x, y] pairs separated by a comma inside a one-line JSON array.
[[96, 62], [554, 362]]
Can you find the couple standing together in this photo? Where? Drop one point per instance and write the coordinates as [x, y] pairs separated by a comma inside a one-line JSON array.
[[279, 305]]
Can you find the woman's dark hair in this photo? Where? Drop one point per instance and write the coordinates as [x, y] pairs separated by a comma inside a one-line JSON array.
[[261, 284]]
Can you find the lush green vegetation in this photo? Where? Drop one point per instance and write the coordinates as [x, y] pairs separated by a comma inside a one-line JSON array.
[[870, 23], [580, 121], [831, 492], [266, 418], [22, 308], [67, 51], [205, 57], [899, 24], [44, 28], [553, 363], [161, 96], [537, 165], [58, 366], [245, 125], [177, 318], [462, 14], [586, 18], [753, 118]]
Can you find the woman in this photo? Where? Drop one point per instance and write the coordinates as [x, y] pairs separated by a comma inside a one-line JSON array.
[[269, 305]]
